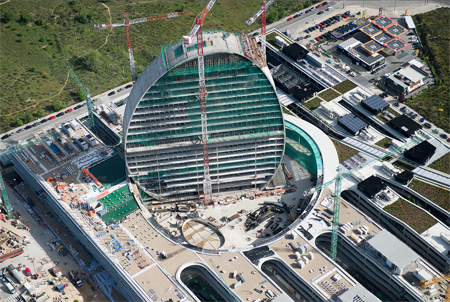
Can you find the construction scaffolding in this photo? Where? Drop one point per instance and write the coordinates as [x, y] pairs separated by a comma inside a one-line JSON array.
[[245, 124]]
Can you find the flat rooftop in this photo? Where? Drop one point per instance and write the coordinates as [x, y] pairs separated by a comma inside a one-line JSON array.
[[396, 30], [412, 73], [382, 38], [396, 44], [383, 21], [370, 30], [372, 47], [366, 57]]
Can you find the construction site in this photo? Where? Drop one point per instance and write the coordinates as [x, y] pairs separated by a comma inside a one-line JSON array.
[[199, 179]]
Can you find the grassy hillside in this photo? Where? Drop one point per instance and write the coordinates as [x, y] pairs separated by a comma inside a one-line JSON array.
[[434, 31], [40, 38]]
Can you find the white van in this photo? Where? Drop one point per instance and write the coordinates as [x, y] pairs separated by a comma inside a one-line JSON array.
[[11, 288]]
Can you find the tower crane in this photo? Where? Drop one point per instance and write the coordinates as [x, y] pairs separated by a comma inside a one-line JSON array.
[[426, 283], [262, 13], [89, 102], [337, 192], [127, 24], [142, 20], [5, 198], [197, 29], [130, 49]]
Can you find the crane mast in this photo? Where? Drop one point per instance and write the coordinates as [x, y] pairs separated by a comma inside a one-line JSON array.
[[337, 191], [5, 198], [142, 20], [130, 49], [262, 13], [89, 103], [197, 29], [263, 30]]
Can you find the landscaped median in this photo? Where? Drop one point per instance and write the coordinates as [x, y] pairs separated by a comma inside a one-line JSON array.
[[418, 220], [436, 194], [442, 164], [344, 151], [345, 86]]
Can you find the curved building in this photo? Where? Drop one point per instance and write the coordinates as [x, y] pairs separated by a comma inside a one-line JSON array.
[[162, 123]]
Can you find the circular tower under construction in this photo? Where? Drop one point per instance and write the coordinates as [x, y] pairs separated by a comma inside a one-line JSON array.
[[163, 129]]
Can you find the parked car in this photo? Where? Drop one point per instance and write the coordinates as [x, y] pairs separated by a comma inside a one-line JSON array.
[[44, 120], [329, 8], [27, 272], [111, 93], [52, 117], [428, 125], [290, 19], [414, 116], [69, 110], [131, 85], [77, 107], [443, 135], [422, 120], [19, 130], [396, 104], [36, 124], [28, 127], [321, 12], [119, 90], [320, 5], [60, 114], [5, 136], [344, 16], [318, 39], [307, 36]]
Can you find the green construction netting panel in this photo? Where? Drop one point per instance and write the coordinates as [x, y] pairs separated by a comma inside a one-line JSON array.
[[240, 98], [118, 204], [302, 148]]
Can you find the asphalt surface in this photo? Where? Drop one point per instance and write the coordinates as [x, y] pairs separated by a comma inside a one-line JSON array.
[[102, 99]]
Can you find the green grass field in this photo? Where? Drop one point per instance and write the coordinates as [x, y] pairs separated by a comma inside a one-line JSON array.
[[40, 38], [434, 32]]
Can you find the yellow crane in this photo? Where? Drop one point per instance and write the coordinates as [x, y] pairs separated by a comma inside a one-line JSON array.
[[426, 283]]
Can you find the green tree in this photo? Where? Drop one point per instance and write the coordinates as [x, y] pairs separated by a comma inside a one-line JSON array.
[[281, 13], [83, 19], [28, 118], [19, 122], [299, 6], [40, 22], [25, 19], [272, 17], [40, 112], [33, 69], [307, 4], [7, 17], [81, 95], [58, 105]]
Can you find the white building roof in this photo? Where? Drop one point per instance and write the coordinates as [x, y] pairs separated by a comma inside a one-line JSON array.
[[393, 249], [356, 291], [415, 63], [352, 42], [409, 22]]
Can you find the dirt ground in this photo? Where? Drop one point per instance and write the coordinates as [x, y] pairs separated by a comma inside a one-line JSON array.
[[45, 256]]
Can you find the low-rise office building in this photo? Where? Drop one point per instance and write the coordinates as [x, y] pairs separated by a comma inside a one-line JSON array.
[[407, 79]]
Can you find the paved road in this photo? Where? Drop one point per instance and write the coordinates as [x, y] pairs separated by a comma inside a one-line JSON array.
[[102, 99]]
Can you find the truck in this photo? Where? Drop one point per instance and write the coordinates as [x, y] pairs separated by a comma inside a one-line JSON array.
[[75, 276], [56, 271]]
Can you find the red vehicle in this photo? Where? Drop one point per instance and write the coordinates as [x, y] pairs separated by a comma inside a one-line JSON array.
[[69, 110], [344, 16], [320, 5], [321, 25], [318, 39], [27, 272], [290, 18], [52, 117]]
